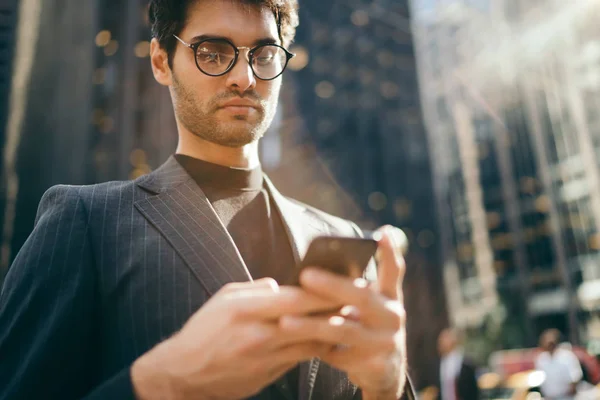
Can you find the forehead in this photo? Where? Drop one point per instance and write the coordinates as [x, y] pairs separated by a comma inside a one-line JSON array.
[[242, 23]]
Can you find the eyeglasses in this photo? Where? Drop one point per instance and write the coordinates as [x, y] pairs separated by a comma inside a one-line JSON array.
[[216, 57]]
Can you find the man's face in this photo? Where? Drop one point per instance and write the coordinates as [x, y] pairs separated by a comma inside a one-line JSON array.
[[200, 100], [446, 342], [549, 342]]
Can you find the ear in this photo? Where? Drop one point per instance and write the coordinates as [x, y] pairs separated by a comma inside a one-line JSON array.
[[160, 63]]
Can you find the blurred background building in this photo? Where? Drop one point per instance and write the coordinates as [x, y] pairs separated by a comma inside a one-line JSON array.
[[510, 93], [348, 137], [8, 24]]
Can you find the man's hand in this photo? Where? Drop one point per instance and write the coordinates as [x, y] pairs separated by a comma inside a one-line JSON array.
[[368, 339], [232, 347]]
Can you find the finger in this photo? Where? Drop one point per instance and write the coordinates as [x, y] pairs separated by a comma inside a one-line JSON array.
[[390, 271], [382, 368], [350, 313], [295, 353], [341, 289], [287, 358], [341, 358], [265, 304], [336, 330], [266, 283]]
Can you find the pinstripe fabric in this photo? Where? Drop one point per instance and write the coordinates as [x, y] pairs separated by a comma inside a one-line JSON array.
[[110, 270]]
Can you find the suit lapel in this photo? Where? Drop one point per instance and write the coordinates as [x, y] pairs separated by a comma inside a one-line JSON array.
[[182, 213], [301, 228]]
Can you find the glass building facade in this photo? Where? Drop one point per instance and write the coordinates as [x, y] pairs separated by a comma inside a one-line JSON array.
[[510, 93]]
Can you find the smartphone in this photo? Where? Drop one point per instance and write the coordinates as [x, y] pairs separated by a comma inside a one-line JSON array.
[[348, 256]]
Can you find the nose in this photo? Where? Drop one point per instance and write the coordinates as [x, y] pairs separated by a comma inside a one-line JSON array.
[[241, 76]]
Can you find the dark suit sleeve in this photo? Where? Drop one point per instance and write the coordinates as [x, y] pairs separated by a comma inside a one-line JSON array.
[[467, 385], [48, 310], [409, 393]]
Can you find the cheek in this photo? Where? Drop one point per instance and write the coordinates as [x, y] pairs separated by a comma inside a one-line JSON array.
[[198, 87], [201, 92], [270, 90]]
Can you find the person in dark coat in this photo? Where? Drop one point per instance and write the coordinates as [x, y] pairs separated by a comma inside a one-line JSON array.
[[458, 380]]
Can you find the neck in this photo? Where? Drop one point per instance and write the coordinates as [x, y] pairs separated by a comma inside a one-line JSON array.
[[237, 157], [453, 351]]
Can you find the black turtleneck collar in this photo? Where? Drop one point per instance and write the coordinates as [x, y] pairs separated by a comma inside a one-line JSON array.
[[216, 176]]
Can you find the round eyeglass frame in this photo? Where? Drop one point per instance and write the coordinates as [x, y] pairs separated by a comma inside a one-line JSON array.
[[251, 51]]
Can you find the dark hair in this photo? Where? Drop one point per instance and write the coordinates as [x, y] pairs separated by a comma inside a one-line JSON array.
[[553, 335], [168, 17]]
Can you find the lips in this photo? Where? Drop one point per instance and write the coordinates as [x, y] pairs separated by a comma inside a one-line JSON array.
[[240, 103]]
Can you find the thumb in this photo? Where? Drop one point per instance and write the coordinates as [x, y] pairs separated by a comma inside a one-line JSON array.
[[391, 266]]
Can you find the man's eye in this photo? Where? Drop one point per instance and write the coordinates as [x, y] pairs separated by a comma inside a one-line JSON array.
[[265, 60], [210, 58]]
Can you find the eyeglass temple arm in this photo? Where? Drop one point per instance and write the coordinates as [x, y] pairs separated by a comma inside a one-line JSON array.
[[182, 41]]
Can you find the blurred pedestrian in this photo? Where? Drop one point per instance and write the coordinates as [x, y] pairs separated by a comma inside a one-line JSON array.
[[560, 365], [172, 286], [458, 379]]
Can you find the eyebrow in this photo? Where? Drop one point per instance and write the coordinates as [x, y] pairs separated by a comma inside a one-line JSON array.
[[258, 42]]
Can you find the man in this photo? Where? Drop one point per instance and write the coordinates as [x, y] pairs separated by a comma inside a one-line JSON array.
[[457, 373], [560, 365], [169, 287]]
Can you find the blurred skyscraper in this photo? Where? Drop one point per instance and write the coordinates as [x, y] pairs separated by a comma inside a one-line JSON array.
[[86, 107], [511, 93], [8, 19], [8, 25]]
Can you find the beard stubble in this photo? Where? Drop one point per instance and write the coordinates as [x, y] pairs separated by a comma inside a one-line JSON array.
[[200, 118]]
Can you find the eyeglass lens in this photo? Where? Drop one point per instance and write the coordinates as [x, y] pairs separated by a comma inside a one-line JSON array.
[[215, 57]]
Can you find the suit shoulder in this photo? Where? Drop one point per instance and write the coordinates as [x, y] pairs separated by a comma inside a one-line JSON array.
[[89, 195], [343, 226], [90, 191]]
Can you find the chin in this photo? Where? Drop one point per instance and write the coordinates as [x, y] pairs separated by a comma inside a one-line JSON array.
[[239, 137]]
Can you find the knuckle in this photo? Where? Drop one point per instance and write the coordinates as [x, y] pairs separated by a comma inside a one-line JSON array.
[[228, 287], [257, 336], [365, 297], [271, 284], [345, 333]]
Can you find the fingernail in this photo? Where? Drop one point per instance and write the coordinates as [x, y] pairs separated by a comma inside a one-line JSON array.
[[336, 320], [350, 312], [361, 283]]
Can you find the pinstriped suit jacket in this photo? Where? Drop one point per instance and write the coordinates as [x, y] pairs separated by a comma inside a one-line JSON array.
[[110, 270]]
